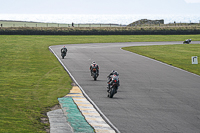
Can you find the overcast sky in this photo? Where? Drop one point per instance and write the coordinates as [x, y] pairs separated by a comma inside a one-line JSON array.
[[99, 6]]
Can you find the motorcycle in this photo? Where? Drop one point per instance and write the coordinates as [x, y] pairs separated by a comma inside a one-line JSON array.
[[188, 41], [94, 73], [63, 54], [114, 84]]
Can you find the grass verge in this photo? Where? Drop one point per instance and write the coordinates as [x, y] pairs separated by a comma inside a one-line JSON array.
[[32, 79], [176, 55]]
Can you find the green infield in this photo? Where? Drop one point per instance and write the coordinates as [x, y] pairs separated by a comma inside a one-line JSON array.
[[32, 79], [176, 55]]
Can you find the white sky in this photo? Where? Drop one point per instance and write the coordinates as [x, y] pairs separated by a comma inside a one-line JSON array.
[[99, 6], [192, 1]]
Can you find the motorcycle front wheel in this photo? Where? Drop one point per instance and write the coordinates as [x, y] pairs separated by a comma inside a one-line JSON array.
[[111, 92]]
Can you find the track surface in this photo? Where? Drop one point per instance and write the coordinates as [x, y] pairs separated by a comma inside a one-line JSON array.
[[153, 97]]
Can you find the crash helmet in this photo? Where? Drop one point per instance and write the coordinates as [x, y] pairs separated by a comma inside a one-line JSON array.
[[115, 73], [112, 71]]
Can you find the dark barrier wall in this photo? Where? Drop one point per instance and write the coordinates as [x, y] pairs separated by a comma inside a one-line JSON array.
[[99, 32]]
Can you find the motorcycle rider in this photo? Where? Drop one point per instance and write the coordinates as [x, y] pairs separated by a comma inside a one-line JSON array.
[[64, 50], [113, 72], [94, 65]]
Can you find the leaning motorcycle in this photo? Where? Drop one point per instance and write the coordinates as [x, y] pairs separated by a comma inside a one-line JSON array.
[[188, 41], [94, 73], [114, 84], [63, 54]]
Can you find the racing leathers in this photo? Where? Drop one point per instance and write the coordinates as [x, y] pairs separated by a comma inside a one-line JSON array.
[[94, 66], [110, 76], [64, 50]]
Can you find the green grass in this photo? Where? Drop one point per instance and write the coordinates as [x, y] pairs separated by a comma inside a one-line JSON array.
[[32, 79], [176, 55]]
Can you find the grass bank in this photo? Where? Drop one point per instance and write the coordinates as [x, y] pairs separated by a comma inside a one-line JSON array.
[[32, 79]]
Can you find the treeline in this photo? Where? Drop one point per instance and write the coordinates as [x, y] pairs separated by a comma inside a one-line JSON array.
[[99, 31]]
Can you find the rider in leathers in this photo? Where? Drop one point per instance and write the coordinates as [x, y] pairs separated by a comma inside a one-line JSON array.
[[94, 65], [64, 50], [113, 72]]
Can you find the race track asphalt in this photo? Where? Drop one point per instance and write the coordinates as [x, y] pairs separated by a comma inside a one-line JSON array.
[[153, 97]]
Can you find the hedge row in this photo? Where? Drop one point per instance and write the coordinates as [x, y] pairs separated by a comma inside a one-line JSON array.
[[99, 31]]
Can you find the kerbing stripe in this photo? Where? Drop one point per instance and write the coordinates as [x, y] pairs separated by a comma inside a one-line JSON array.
[[89, 112]]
